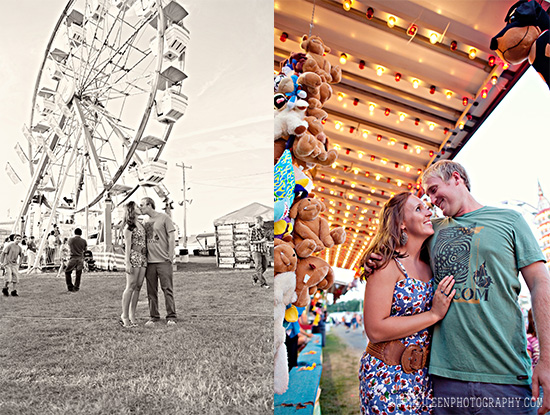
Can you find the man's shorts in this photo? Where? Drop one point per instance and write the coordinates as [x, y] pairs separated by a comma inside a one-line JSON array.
[[12, 273]]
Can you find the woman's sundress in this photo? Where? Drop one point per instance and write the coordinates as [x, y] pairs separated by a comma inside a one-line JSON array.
[[386, 389], [138, 253]]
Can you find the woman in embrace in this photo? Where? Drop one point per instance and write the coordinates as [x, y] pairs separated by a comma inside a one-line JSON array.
[[400, 305], [135, 263]]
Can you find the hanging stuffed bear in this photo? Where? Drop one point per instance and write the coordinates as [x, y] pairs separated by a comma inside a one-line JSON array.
[[525, 36]]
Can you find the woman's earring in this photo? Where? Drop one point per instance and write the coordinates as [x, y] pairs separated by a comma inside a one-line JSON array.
[[404, 238]]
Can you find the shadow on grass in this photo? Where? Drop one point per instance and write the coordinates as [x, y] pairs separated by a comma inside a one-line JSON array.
[[339, 380]]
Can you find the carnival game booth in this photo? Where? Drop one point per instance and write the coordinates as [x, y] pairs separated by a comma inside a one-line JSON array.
[[233, 235], [107, 256]]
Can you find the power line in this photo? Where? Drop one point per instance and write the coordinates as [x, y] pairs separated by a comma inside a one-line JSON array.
[[236, 177], [229, 187]]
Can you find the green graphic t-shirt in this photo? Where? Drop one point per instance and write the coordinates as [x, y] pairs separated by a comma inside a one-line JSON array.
[[482, 338]]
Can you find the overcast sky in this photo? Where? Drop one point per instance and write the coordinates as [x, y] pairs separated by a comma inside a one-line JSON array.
[[226, 132]]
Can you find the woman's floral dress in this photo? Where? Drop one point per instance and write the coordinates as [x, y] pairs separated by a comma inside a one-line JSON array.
[[386, 389]]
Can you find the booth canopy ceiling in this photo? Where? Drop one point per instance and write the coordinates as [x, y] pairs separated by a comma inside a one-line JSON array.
[[247, 214], [403, 102]]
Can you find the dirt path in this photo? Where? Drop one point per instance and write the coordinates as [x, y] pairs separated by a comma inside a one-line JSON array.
[[354, 339]]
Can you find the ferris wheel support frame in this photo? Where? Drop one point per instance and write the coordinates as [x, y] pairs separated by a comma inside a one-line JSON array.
[[37, 176], [44, 236]]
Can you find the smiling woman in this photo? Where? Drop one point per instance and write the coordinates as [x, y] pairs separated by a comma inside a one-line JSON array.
[[400, 305]]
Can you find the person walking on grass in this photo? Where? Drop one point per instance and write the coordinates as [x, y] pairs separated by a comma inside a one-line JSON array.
[[77, 246], [259, 252], [10, 260], [161, 244], [135, 251]]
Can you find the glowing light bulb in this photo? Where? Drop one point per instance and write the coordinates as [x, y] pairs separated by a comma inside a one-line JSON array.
[[472, 53], [343, 58], [365, 133], [401, 117], [347, 5], [434, 37], [340, 96], [391, 21], [431, 126], [415, 83], [379, 70], [449, 94], [372, 107], [494, 79], [412, 29]]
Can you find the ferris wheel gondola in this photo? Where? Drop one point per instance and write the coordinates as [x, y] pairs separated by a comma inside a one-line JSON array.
[[108, 93]]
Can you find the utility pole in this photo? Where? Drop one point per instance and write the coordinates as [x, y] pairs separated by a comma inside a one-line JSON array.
[[184, 203]]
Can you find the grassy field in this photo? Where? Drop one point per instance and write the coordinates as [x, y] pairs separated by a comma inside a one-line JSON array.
[[65, 353], [339, 380]]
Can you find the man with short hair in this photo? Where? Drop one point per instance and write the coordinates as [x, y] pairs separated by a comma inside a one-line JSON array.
[[77, 246], [479, 348], [258, 248], [161, 244], [10, 260]]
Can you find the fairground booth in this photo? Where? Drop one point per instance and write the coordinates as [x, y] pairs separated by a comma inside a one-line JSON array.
[[233, 235], [367, 95]]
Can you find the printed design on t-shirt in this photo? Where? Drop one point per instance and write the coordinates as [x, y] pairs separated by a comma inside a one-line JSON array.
[[452, 253], [152, 237], [481, 278], [451, 256]]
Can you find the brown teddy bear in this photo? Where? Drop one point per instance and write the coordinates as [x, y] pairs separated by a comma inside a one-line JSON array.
[[526, 36], [316, 62], [286, 254], [311, 273], [308, 224], [312, 151], [316, 95]]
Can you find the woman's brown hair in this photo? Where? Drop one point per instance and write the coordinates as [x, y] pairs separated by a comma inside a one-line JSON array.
[[130, 216], [386, 241]]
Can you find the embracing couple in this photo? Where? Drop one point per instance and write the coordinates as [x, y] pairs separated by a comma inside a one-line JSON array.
[[149, 253], [478, 362]]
